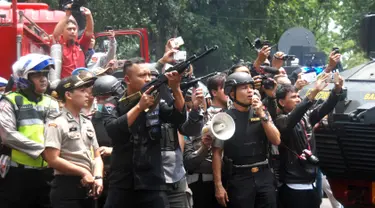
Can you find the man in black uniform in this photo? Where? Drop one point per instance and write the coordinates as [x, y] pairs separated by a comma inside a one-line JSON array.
[[298, 142], [137, 178], [250, 181], [107, 90]]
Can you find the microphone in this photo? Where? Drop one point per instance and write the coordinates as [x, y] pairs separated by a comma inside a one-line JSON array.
[[270, 70]]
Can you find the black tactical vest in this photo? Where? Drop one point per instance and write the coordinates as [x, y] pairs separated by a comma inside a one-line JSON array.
[[249, 142]]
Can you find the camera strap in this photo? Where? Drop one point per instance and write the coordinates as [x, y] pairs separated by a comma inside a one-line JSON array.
[[290, 150], [302, 122]]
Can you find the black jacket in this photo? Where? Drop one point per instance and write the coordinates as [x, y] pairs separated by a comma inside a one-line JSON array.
[[294, 135], [136, 161]]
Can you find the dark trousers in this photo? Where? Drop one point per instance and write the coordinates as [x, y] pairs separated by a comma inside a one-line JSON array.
[[177, 196], [204, 194], [291, 198], [252, 190], [119, 198], [25, 188], [67, 192]]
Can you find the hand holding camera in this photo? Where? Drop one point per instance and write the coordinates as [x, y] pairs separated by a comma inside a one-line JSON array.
[[197, 98], [334, 59], [320, 84], [264, 53], [168, 57], [339, 82], [309, 157], [86, 11], [301, 82]]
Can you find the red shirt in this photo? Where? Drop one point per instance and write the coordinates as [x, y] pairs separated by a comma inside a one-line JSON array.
[[74, 55]]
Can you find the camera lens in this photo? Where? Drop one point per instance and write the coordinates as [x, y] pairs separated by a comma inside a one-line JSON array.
[[313, 159]]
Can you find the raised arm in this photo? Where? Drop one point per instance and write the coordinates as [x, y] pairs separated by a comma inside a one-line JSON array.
[[59, 28], [319, 113]]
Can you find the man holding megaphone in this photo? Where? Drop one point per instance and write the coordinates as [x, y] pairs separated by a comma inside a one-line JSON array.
[[249, 179]]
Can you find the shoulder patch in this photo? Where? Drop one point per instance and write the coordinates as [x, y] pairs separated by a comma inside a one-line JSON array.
[[85, 116], [109, 107], [52, 125]]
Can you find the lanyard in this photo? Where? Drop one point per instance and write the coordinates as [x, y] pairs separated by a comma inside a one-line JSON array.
[[306, 135]]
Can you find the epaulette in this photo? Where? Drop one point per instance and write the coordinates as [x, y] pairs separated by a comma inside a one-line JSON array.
[[51, 97], [55, 115], [85, 116], [8, 93]]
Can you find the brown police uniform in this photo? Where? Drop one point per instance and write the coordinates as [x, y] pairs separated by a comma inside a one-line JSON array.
[[77, 142]]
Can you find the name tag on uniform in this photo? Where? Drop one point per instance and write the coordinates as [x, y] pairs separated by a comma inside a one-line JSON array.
[[254, 119], [73, 129]]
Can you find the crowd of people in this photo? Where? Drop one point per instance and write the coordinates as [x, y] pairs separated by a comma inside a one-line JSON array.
[[99, 141]]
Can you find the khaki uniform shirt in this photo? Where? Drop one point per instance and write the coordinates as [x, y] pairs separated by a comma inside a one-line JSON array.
[[76, 140]]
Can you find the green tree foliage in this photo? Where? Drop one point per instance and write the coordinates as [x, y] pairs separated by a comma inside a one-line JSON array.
[[226, 23]]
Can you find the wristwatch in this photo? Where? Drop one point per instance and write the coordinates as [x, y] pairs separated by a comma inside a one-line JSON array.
[[265, 118], [98, 177]]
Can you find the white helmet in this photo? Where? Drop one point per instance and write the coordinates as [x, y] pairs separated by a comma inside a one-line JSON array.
[[3, 82], [30, 63]]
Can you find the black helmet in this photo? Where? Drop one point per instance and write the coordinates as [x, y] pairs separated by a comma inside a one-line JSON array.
[[107, 85], [235, 79]]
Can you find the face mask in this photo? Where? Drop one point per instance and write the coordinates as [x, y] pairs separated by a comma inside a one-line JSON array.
[[99, 107]]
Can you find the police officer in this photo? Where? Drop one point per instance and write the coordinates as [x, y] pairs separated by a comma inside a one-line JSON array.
[[22, 117], [107, 90], [72, 149], [137, 176], [250, 181], [3, 84]]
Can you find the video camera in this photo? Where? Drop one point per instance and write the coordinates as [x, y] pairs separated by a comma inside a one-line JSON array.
[[289, 57], [108, 28], [76, 4], [336, 50], [267, 81], [309, 157], [258, 43]]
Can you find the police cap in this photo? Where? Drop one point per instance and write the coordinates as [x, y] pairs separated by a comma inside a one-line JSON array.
[[71, 83]]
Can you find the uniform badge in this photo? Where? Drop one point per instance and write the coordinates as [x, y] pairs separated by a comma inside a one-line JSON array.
[[255, 119], [109, 107], [73, 129], [94, 59], [52, 125]]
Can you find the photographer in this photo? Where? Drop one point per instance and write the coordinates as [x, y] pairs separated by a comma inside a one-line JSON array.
[[74, 49], [278, 61], [250, 181], [298, 142], [263, 55], [100, 59]]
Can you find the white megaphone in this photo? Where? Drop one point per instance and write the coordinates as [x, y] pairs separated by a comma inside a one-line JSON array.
[[220, 127]]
